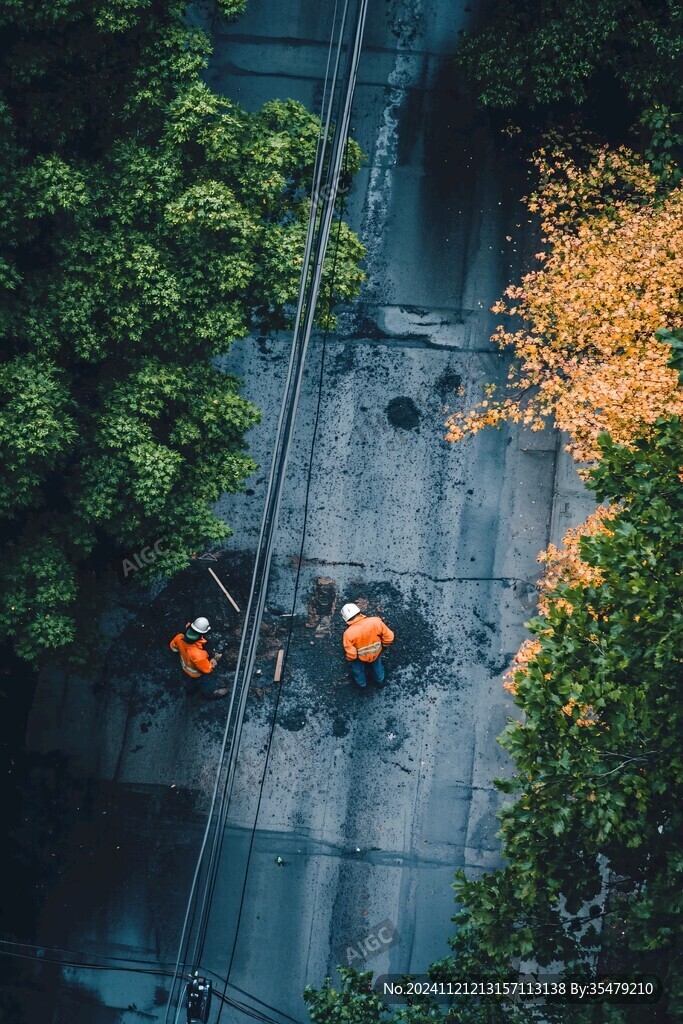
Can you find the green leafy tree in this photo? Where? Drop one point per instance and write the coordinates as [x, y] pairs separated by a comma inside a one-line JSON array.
[[147, 223], [530, 54], [353, 1003]]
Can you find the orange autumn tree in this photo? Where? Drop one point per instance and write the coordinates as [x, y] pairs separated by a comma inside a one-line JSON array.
[[587, 358], [563, 568]]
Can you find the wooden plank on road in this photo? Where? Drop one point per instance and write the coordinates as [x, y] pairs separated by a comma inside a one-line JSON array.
[[233, 603]]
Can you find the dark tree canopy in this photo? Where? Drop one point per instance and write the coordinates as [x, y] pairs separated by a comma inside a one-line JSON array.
[[537, 53]]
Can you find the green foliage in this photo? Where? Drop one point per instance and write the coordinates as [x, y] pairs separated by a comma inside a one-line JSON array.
[[39, 588], [37, 429], [231, 8], [664, 150], [354, 1003], [146, 224], [537, 55], [675, 339]]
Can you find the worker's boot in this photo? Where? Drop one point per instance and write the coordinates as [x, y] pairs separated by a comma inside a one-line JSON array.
[[218, 694]]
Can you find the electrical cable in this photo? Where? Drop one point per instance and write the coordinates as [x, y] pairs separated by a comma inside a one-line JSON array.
[[316, 178], [272, 500], [310, 281], [316, 188], [343, 135], [154, 970], [11, 945], [289, 634]]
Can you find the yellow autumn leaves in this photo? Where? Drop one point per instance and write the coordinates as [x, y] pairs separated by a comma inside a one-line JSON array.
[[586, 358], [565, 565]]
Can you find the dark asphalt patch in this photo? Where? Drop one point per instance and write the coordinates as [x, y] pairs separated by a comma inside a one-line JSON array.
[[340, 728], [317, 683], [360, 325], [403, 414], [448, 384], [140, 664], [344, 361]]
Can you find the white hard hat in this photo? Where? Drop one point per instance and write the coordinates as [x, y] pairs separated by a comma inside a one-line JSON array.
[[201, 625], [349, 611]]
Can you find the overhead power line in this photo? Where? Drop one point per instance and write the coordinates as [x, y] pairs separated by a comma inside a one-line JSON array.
[[76, 961], [340, 78]]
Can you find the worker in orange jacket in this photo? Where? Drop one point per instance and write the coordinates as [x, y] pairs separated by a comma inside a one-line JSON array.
[[195, 661], [364, 640]]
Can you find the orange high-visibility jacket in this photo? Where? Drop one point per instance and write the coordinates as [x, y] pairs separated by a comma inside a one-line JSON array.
[[193, 658], [365, 638]]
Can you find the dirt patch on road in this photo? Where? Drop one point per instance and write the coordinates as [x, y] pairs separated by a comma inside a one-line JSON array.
[[316, 680], [317, 677], [448, 385], [322, 605], [140, 664]]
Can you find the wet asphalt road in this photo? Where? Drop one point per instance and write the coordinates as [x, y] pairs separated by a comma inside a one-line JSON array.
[[371, 799], [374, 799]]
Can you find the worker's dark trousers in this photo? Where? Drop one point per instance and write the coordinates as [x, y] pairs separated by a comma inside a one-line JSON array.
[[204, 685], [361, 671]]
